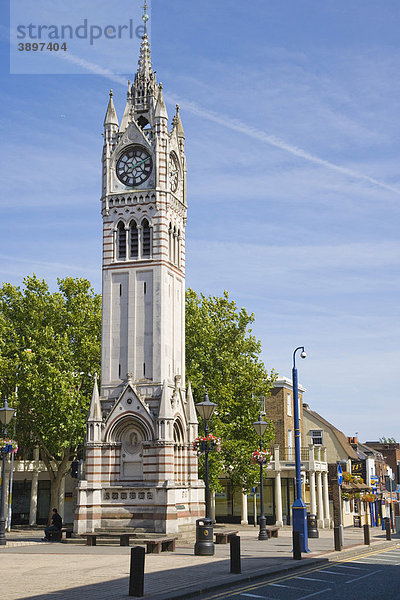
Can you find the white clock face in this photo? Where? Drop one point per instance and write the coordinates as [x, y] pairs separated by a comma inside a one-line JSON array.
[[134, 166], [173, 172]]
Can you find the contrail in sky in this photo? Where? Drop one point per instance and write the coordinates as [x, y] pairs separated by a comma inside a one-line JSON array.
[[239, 126]]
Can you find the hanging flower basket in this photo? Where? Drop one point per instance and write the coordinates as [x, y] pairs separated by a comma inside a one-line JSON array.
[[7, 445], [261, 457], [209, 443], [369, 498]]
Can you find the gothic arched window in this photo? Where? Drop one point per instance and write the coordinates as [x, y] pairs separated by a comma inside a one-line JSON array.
[[146, 239], [178, 248], [174, 247], [179, 453], [121, 241], [134, 240]]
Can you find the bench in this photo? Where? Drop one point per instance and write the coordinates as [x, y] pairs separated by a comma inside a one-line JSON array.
[[272, 532], [153, 545], [68, 532], [222, 537], [56, 536]]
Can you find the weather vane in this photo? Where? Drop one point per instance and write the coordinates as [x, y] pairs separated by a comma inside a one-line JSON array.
[[145, 16]]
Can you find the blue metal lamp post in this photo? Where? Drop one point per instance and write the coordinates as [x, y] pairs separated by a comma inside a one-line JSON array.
[[299, 508]]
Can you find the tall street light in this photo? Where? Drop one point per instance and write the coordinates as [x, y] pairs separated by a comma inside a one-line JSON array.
[[299, 508], [260, 426], [205, 410], [6, 414]]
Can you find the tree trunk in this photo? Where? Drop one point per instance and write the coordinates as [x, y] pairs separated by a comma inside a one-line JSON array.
[[57, 471]]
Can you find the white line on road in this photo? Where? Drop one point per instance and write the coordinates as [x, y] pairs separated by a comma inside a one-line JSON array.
[[315, 594], [348, 567], [253, 596], [362, 576], [332, 572], [311, 579], [291, 587]]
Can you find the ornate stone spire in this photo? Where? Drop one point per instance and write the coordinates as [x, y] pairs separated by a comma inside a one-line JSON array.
[[177, 124], [145, 67], [144, 86], [95, 406], [111, 114]]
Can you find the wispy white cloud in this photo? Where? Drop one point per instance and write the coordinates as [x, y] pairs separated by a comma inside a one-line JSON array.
[[235, 124]]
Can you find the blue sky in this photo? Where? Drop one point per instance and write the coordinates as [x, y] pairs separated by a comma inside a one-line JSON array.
[[291, 115]]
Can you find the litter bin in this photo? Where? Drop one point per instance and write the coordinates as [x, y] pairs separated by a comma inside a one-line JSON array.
[[312, 526], [204, 545]]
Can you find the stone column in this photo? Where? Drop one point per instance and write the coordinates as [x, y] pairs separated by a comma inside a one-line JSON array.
[[320, 504], [278, 499], [325, 494], [313, 502], [212, 507], [244, 519], [34, 488], [33, 502]]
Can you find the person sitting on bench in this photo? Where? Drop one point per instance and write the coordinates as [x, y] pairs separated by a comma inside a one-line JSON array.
[[56, 525]]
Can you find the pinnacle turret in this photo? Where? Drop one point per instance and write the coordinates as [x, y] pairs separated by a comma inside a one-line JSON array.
[[111, 114]]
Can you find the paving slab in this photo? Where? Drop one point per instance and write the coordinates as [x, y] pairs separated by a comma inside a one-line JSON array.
[[37, 570]]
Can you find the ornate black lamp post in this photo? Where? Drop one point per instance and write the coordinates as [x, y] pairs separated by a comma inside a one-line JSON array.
[[6, 414], [205, 410], [260, 426]]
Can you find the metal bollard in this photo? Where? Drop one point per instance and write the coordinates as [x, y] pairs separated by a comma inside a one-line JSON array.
[[367, 540], [387, 527], [234, 542], [297, 545], [136, 575], [338, 541]]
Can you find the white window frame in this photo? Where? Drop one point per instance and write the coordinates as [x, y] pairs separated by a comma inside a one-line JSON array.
[[289, 404], [313, 437]]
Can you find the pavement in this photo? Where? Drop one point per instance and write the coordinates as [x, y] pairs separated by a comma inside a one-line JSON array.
[[38, 570]]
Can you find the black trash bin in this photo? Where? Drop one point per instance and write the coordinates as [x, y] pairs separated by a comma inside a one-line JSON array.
[[204, 545], [312, 526]]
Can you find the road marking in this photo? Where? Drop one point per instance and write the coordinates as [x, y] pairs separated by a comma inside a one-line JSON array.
[[291, 587], [311, 579], [362, 576], [332, 572], [314, 594], [253, 596], [349, 567]]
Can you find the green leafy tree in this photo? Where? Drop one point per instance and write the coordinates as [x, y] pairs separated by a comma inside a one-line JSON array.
[[49, 351], [223, 357], [387, 440]]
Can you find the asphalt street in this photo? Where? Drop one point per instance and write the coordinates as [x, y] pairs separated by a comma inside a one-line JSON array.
[[359, 578]]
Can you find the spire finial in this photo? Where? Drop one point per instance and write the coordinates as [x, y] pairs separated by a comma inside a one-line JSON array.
[[177, 108], [111, 93], [145, 16]]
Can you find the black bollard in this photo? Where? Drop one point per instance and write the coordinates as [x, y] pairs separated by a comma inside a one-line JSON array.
[[367, 541], [136, 575], [297, 545], [234, 541], [387, 527], [336, 536]]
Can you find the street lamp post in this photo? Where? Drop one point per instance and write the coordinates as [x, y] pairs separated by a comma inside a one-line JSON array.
[[6, 414], [260, 426], [205, 410], [299, 508]]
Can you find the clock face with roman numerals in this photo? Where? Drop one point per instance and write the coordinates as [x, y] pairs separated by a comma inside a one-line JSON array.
[[134, 166]]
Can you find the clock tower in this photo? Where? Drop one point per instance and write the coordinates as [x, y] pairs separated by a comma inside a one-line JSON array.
[[141, 470]]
